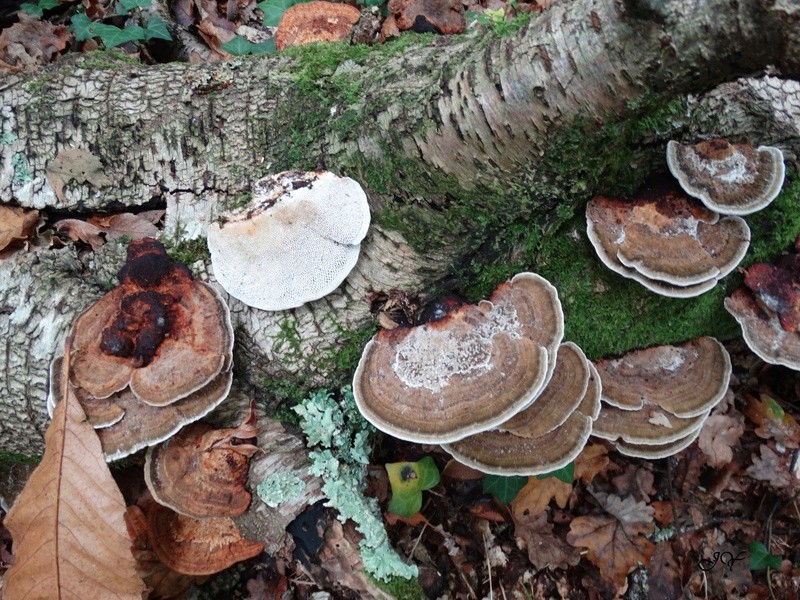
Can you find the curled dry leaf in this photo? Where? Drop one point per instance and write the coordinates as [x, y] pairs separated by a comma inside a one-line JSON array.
[[15, 224], [97, 230], [30, 43], [67, 524], [616, 541], [544, 548], [80, 165], [719, 435], [773, 468]]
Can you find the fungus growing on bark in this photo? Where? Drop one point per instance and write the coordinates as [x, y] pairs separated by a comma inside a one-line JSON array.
[[656, 400], [428, 383], [201, 471], [768, 309], [160, 332], [732, 179], [428, 16], [540, 438], [315, 21], [666, 240], [295, 242]]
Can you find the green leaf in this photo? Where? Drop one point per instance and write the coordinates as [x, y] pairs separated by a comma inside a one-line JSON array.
[[82, 26], [238, 46], [114, 36], [126, 6], [760, 558], [505, 488], [408, 480], [774, 407], [32, 9], [156, 28], [273, 10], [267, 47], [565, 473]]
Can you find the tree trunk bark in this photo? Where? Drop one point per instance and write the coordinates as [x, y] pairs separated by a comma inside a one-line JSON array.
[[457, 140]]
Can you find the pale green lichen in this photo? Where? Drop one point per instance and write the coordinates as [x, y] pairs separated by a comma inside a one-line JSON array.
[[8, 138], [22, 172], [339, 436], [280, 487]]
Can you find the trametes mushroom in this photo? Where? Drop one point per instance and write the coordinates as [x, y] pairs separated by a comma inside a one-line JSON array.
[[655, 400], [153, 354], [295, 242], [768, 309], [428, 383], [732, 179], [666, 240], [548, 434], [201, 472]]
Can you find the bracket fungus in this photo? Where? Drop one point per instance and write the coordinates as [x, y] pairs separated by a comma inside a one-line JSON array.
[[429, 383], [201, 472], [295, 242], [655, 400], [153, 354], [665, 240], [732, 179], [546, 435], [315, 21], [768, 309]]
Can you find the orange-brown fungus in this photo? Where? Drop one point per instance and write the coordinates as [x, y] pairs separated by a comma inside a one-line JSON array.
[[315, 21]]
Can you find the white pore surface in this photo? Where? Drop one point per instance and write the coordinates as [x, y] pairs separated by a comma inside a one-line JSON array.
[[298, 249]]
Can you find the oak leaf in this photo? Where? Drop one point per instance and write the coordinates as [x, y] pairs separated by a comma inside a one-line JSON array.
[[774, 469], [67, 524], [772, 421], [100, 229], [535, 534], [717, 438], [592, 461], [616, 541], [16, 224], [80, 165], [534, 497]]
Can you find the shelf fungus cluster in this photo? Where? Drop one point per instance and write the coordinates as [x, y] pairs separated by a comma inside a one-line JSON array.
[[152, 355], [732, 179], [768, 309], [655, 401], [430, 383], [666, 240], [197, 481], [295, 242]]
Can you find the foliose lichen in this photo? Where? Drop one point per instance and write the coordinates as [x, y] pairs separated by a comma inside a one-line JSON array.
[[340, 439], [280, 487]]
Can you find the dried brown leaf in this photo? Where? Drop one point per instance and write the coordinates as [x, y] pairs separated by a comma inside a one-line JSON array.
[[16, 224], [31, 43], [616, 541], [717, 438], [100, 229], [774, 469], [68, 526], [773, 423], [535, 534], [81, 231], [636, 482], [592, 461], [80, 165], [665, 583], [537, 493]]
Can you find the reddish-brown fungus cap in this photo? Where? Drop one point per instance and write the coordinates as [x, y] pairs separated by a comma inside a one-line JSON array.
[[685, 380], [665, 240], [159, 331], [200, 473], [429, 16], [733, 179], [315, 21], [197, 546], [465, 373]]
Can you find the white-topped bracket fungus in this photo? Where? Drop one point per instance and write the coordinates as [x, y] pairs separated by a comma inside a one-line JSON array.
[[467, 372], [295, 242], [666, 240], [160, 332], [732, 179], [201, 472], [768, 310], [540, 439], [685, 380]]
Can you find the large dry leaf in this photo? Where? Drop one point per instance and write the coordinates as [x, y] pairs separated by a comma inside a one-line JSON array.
[[719, 435], [30, 43], [15, 224], [773, 468], [544, 548], [592, 461], [67, 524], [537, 493], [616, 541], [80, 165], [98, 230]]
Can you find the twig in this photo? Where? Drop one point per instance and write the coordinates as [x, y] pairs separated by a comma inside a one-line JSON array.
[[416, 543], [488, 566], [769, 546]]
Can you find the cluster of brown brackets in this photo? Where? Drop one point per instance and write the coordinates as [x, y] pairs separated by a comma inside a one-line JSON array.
[[301, 234], [152, 355], [654, 401]]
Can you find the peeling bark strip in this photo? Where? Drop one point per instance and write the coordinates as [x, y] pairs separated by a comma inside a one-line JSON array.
[[473, 111]]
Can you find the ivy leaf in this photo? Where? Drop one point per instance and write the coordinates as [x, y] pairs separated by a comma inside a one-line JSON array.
[[156, 29], [238, 46], [267, 47], [273, 10], [408, 480], [114, 36], [504, 488], [37, 9], [126, 6], [760, 558], [565, 473], [82, 26]]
